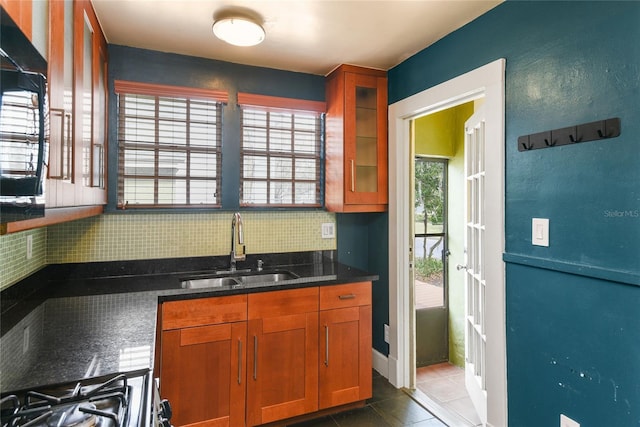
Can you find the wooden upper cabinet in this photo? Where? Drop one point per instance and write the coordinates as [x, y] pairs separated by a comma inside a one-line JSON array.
[[356, 140], [77, 105], [21, 11], [60, 189]]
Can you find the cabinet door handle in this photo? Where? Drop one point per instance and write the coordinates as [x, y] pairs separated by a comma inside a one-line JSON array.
[[56, 167], [326, 345], [348, 296], [255, 357], [353, 178], [68, 143], [239, 361]]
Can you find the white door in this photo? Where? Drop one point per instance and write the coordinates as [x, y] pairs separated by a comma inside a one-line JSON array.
[[475, 285]]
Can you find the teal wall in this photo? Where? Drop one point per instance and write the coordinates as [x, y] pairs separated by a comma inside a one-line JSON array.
[[363, 243], [573, 322], [141, 65]]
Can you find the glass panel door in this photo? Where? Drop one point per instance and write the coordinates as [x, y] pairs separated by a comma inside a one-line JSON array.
[[430, 232], [366, 162], [475, 283], [430, 249]]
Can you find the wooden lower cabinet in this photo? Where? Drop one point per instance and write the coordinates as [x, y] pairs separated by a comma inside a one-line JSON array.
[[248, 360], [203, 374], [203, 359], [345, 344], [283, 360]]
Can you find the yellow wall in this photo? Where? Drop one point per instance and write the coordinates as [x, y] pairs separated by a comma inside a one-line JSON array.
[[435, 134]]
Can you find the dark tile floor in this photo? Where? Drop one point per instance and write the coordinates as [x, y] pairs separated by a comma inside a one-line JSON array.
[[389, 407]]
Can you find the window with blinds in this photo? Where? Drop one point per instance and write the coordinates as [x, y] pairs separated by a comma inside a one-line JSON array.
[[280, 157], [169, 150]]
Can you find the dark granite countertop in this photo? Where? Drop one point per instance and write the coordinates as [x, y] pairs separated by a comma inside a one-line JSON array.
[[71, 321]]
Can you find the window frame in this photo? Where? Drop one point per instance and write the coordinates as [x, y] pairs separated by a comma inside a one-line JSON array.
[[279, 105], [122, 87]]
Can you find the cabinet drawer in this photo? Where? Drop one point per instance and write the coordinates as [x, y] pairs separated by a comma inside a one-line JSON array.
[[279, 303], [205, 311], [349, 295]]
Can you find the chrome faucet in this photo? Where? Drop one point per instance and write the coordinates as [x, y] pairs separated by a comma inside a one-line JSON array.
[[237, 241]]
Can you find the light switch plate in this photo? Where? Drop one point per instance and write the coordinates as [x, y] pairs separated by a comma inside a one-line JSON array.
[[29, 246], [568, 422], [328, 230], [540, 231]]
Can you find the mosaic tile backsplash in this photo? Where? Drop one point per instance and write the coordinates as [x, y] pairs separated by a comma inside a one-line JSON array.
[[14, 264], [115, 237], [140, 236]]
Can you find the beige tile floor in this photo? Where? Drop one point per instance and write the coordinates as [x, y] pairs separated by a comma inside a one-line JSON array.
[[443, 384]]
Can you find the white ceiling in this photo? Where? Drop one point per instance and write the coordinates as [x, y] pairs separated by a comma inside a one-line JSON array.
[[311, 36]]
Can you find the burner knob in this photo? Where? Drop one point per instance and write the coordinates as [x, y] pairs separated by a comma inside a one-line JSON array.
[[165, 409]]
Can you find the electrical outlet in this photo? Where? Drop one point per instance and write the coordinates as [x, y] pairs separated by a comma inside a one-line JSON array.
[[328, 230], [568, 422], [386, 333], [25, 339], [29, 246]]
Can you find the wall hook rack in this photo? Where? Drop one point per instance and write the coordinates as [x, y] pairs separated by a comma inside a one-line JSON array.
[[601, 129]]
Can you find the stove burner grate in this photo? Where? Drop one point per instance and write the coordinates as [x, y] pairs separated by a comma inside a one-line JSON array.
[[86, 405]]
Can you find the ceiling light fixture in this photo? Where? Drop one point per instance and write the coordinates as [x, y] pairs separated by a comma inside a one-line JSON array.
[[239, 31]]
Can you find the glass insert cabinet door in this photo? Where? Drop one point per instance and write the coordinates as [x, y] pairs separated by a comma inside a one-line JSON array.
[[365, 139]]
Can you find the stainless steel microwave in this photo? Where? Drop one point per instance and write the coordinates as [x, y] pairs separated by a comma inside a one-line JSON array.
[[23, 124]]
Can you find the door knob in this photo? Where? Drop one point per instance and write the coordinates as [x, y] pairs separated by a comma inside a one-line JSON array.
[[461, 267]]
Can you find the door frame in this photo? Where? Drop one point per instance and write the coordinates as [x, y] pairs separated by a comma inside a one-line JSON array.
[[486, 82]]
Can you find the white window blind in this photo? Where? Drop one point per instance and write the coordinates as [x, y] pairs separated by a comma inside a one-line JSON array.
[[280, 157], [19, 130], [169, 150]]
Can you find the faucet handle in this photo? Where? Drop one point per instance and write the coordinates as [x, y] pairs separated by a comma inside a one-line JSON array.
[[260, 264]]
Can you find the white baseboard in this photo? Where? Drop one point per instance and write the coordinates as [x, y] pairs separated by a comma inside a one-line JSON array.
[[380, 363]]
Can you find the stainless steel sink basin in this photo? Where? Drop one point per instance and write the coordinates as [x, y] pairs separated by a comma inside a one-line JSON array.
[[267, 277], [237, 281], [209, 282]]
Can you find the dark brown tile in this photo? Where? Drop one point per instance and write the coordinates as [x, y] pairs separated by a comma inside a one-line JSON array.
[[363, 417], [401, 411], [434, 422], [389, 407], [318, 422], [382, 390]]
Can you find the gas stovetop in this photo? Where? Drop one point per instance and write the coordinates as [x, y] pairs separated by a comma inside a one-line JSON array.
[[117, 400]]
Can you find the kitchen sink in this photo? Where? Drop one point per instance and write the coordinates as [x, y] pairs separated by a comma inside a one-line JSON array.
[[237, 281], [209, 282], [267, 277]]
